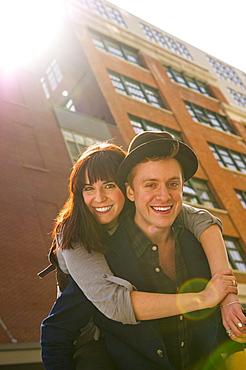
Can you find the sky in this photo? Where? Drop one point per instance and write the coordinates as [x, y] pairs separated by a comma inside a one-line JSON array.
[[216, 27]]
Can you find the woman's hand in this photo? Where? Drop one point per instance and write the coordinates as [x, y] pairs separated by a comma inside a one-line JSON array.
[[233, 318], [221, 284]]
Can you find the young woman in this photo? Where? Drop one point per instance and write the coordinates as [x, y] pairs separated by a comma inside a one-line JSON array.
[[92, 213]]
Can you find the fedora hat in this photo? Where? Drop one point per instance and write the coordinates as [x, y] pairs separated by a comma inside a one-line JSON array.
[[148, 144]]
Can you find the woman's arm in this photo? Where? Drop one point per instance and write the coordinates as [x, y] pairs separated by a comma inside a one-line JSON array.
[[116, 298], [163, 305], [214, 247], [207, 228], [110, 294]]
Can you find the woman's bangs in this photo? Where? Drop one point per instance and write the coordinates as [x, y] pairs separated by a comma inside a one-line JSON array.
[[101, 168]]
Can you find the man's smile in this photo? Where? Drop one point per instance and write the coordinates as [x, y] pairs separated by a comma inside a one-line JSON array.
[[161, 208]]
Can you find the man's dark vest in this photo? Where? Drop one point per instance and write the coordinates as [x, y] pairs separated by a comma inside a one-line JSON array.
[[141, 345]]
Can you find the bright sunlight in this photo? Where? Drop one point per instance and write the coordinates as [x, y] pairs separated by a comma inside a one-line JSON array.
[[27, 28]]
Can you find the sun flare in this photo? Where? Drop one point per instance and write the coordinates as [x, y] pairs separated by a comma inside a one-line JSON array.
[[27, 28]]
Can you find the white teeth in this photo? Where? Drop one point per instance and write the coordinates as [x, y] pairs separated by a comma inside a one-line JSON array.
[[103, 209], [162, 208]]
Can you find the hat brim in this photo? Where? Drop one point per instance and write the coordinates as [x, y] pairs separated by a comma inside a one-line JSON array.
[[185, 156]]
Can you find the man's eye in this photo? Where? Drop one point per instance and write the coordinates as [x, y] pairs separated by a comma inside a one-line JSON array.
[[149, 185], [173, 184]]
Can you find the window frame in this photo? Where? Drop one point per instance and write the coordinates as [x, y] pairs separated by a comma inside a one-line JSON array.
[[241, 194], [239, 98], [165, 41], [197, 185], [123, 48], [238, 249], [208, 117], [141, 87], [217, 152], [174, 74], [78, 146], [146, 126], [226, 72]]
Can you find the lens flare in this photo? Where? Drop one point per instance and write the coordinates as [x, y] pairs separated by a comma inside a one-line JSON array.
[[27, 28], [191, 286], [152, 229]]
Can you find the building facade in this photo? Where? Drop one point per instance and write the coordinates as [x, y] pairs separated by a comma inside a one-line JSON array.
[[109, 76]]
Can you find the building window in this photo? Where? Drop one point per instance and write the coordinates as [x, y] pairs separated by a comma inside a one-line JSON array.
[[83, 3], [184, 51], [209, 118], [116, 48], [242, 197], [236, 254], [165, 41], [239, 98], [70, 105], [77, 143], [45, 88], [173, 46], [98, 8], [226, 72], [116, 17], [196, 191], [229, 158], [149, 34], [107, 12], [159, 38], [187, 81], [140, 125], [54, 74], [136, 89]]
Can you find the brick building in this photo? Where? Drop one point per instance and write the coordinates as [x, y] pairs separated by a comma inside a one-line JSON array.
[[109, 76]]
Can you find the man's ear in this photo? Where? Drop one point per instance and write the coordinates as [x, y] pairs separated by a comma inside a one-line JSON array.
[[129, 192]]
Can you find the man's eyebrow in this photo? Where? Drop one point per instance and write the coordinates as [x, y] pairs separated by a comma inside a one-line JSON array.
[[155, 179]]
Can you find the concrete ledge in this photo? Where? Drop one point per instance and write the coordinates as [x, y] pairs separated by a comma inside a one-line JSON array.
[[20, 353]]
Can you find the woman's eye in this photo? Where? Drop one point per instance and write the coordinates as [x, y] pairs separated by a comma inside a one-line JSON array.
[[88, 188], [111, 185]]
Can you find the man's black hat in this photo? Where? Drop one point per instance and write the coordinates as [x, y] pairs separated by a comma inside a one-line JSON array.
[[149, 144]]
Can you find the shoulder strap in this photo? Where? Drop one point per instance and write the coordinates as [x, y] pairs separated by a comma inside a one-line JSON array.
[[61, 277]]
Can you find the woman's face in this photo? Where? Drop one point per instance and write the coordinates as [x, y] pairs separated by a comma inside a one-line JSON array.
[[104, 200]]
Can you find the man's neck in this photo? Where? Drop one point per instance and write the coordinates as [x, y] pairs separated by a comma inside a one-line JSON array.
[[157, 235]]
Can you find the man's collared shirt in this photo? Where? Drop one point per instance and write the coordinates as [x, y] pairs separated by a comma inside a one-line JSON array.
[[176, 330]]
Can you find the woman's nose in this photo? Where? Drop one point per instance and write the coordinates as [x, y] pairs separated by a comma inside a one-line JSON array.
[[100, 196]]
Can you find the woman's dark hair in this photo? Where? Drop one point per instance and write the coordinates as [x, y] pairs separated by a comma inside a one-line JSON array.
[[75, 222]]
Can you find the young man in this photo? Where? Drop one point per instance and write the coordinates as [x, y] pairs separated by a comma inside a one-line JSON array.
[[156, 255], [160, 257]]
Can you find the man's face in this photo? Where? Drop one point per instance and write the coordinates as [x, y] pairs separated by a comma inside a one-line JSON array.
[[157, 192]]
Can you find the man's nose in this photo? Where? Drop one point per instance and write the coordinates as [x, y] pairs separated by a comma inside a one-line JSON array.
[[163, 193]]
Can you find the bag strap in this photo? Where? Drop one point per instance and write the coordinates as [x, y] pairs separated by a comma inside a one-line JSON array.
[[52, 259], [61, 277]]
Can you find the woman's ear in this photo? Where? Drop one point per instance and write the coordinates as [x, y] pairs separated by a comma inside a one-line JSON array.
[[129, 192]]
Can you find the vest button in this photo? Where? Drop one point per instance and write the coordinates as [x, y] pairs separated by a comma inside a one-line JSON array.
[[160, 353]]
